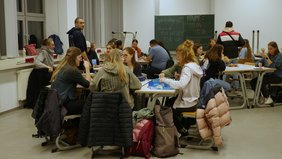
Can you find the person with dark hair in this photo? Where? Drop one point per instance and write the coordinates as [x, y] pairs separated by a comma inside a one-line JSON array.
[[230, 40], [66, 77], [198, 50], [76, 37], [129, 60], [158, 58], [92, 55], [214, 65], [134, 45], [212, 43], [272, 59], [118, 44]]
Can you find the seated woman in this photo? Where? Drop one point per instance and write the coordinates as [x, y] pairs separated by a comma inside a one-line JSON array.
[[66, 77], [272, 59], [129, 61], [246, 54], [134, 45], [114, 76], [198, 50], [41, 74], [188, 84], [213, 65], [92, 55]]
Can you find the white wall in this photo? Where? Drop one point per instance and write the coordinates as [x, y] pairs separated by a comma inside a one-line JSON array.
[[140, 15], [10, 7], [60, 15], [249, 15], [8, 90], [184, 7]]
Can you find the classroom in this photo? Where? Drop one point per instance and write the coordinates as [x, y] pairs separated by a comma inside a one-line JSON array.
[[255, 129]]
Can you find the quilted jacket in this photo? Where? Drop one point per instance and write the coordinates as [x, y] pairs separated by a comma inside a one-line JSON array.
[[214, 116], [106, 120]]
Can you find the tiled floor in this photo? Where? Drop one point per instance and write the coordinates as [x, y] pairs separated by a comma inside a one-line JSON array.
[[253, 133]]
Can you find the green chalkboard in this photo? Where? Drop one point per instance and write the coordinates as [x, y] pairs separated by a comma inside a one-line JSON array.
[[173, 30]]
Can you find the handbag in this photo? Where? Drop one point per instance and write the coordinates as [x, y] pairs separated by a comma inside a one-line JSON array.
[[31, 50]]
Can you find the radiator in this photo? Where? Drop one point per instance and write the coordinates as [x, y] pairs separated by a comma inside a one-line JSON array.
[[22, 80]]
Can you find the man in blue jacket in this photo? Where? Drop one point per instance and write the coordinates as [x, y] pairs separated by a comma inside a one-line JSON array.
[[76, 37]]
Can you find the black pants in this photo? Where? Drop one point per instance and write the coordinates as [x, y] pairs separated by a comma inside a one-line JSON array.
[[152, 72], [178, 120], [74, 106], [37, 80], [265, 86]]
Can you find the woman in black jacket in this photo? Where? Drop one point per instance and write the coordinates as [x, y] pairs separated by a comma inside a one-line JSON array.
[[213, 63]]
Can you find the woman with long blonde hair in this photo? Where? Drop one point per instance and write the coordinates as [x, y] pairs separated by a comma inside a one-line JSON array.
[[188, 84], [114, 76], [66, 77]]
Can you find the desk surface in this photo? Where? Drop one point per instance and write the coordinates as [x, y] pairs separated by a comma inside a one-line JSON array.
[[142, 61], [151, 90], [247, 68]]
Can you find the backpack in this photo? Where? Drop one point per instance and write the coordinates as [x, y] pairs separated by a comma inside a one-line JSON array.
[[142, 138], [58, 44], [166, 136]]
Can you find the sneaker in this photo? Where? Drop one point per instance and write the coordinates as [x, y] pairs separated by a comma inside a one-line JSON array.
[[268, 101]]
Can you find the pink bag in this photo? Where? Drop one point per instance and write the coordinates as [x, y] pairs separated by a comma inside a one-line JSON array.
[[31, 50], [142, 138]]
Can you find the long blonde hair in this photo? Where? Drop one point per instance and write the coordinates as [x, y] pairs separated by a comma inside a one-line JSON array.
[[69, 59], [187, 52], [114, 57]]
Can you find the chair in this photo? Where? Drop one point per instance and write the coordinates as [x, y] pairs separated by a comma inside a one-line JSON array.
[[106, 120], [194, 140], [278, 91], [49, 115]]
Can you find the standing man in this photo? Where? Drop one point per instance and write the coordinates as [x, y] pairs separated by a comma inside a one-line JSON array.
[[158, 58], [230, 40], [76, 37]]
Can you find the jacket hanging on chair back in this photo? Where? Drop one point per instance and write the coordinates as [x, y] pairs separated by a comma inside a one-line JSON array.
[[166, 139], [58, 44]]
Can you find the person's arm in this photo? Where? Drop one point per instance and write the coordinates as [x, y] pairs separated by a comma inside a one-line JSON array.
[[96, 80], [185, 77], [79, 40], [170, 71], [77, 77], [243, 53], [87, 70], [219, 40], [137, 70], [241, 41], [39, 61], [276, 63], [134, 82]]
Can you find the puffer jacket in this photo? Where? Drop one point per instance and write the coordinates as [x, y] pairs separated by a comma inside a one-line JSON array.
[[214, 116], [106, 120]]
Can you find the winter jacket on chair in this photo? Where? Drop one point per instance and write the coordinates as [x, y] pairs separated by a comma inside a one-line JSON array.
[[106, 119], [214, 115], [50, 122]]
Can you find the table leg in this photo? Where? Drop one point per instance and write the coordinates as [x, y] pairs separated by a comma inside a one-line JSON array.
[[244, 93]]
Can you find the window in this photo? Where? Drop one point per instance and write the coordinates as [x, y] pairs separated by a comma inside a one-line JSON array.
[[2, 30], [31, 22]]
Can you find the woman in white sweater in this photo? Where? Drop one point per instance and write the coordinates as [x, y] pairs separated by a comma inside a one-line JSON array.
[[188, 84]]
